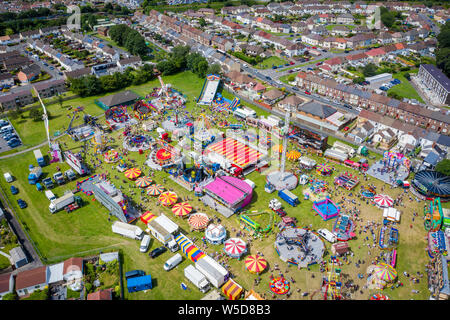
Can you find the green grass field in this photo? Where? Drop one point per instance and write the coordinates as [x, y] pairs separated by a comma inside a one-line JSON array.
[[331, 26], [405, 89], [87, 230], [271, 61]]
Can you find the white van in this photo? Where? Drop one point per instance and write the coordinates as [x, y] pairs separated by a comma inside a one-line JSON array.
[[8, 177], [327, 235], [49, 194], [144, 243], [173, 262]]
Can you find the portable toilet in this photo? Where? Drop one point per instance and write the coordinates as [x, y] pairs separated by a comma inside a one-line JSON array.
[[39, 186]]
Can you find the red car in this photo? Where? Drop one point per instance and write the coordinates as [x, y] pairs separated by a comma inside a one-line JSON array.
[[307, 92], [314, 47], [291, 63], [346, 128]]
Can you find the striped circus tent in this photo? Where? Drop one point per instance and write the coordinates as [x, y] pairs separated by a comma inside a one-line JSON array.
[[143, 182], [277, 148], [232, 290], [168, 198], [255, 263], [198, 221], [182, 209], [155, 189], [147, 217], [293, 155], [132, 173]]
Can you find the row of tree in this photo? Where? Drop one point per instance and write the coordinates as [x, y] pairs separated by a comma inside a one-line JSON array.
[[443, 52], [91, 85], [182, 59], [129, 38]]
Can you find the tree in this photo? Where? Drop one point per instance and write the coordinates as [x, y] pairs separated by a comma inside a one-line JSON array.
[[202, 22], [369, 70], [358, 80], [214, 69], [36, 114], [394, 95], [443, 167], [443, 60], [444, 36], [10, 296], [60, 100]]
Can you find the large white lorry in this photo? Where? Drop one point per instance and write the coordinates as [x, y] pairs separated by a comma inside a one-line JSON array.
[[197, 278], [164, 230], [212, 270], [61, 202], [127, 230]]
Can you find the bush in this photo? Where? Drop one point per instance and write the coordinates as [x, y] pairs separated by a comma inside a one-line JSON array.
[[88, 287]]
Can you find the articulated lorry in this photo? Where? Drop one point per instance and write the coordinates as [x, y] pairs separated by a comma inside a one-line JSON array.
[[127, 230], [39, 158], [61, 202], [197, 278], [34, 175]]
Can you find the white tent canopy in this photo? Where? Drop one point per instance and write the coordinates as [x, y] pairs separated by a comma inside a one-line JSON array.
[[391, 214]]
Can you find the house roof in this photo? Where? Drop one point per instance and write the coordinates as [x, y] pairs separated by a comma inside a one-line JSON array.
[[273, 94], [444, 140], [293, 100], [238, 77], [432, 158], [119, 98], [4, 282], [317, 109], [32, 69], [30, 278], [78, 73], [101, 295], [48, 84], [73, 264]]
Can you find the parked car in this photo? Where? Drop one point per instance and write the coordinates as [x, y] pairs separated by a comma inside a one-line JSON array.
[[14, 143], [295, 88], [14, 190], [307, 92], [291, 63], [156, 252], [310, 69], [22, 204]]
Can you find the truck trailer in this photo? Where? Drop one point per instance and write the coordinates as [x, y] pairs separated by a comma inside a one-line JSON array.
[[289, 197], [39, 158], [164, 230], [212, 270], [197, 278], [127, 230], [59, 203]]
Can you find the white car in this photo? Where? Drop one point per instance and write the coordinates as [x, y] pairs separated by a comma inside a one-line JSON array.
[[327, 235]]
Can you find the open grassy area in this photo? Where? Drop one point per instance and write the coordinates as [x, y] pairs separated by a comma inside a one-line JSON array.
[[405, 89], [270, 62], [87, 230], [331, 26]]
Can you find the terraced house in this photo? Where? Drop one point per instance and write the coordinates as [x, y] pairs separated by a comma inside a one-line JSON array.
[[416, 115]]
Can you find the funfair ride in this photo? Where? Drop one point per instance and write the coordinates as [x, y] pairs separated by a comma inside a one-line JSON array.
[[281, 179]]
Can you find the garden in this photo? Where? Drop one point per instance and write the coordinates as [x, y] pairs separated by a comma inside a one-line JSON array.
[[100, 275]]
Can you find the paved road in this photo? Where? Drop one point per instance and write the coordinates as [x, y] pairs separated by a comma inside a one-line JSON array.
[[53, 73], [30, 252], [278, 84]]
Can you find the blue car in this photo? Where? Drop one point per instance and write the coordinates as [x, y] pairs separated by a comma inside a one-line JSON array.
[[14, 143], [14, 190], [22, 204], [384, 88]]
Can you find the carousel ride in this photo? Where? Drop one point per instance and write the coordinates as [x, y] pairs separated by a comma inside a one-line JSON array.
[[134, 141]]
